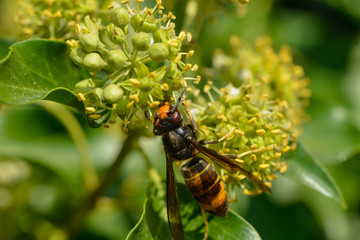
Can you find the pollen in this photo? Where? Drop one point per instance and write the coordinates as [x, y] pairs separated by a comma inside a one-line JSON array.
[[189, 36], [110, 6], [178, 58], [275, 131], [198, 79], [254, 146], [221, 117], [187, 67], [286, 149], [28, 31], [135, 98], [149, 11], [207, 88], [252, 121], [203, 128], [47, 13], [246, 97], [95, 116], [194, 68], [171, 16], [165, 87], [173, 42], [130, 104], [260, 132], [154, 104], [90, 110], [152, 75], [189, 54], [134, 81], [71, 23], [183, 82], [264, 166], [239, 177], [271, 177], [284, 167], [57, 14], [31, 10], [239, 132], [280, 115], [181, 36], [77, 28], [240, 161], [81, 97], [248, 192]]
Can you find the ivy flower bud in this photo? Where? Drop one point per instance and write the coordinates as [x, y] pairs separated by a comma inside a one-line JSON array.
[[89, 41], [77, 55], [93, 62], [83, 84], [146, 85], [158, 52], [112, 93], [157, 35], [120, 17], [136, 21], [141, 41], [122, 109], [117, 59], [144, 22], [115, 34]]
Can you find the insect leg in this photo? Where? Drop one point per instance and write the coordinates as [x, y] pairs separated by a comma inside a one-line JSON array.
[[191, 119], [206, 224]]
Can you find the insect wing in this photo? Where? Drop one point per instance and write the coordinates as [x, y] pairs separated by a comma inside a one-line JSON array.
[[173, 210], [222, 160]]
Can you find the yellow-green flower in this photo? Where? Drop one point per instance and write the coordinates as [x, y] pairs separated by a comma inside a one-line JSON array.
[[52, 19], [257, 116], [138, 54]]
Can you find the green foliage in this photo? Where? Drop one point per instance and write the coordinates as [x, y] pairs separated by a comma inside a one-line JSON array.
[[36, 70], [305, 169]]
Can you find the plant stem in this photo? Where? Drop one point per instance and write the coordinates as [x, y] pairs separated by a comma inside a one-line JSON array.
[[76, 219], [77, 134]]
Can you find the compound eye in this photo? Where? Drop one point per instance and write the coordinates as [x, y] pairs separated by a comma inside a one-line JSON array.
[[176, 116]]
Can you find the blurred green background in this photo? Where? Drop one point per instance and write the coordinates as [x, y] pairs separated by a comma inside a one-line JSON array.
[[40, 172]]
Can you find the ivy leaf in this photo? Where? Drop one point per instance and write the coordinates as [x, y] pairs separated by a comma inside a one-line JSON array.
[[305, 169], [4, 47], [153, 223], [38, 69], [331, 136]]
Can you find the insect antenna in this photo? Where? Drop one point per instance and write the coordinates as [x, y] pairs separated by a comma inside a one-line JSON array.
[[178, 101]]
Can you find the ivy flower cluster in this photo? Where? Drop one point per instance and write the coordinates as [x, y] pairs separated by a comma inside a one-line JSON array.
[[135, 62], [257, 116], [52, 19]]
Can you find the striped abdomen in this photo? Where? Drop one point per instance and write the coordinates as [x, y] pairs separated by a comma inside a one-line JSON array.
[[205, 185]]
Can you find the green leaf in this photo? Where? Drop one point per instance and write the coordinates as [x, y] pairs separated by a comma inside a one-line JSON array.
[[331, 136], [4, 47], [38, 69], [153, 223], [306, 170], [66, 97]]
